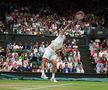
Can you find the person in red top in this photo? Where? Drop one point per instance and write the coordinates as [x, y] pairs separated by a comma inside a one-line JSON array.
[[105, 64]]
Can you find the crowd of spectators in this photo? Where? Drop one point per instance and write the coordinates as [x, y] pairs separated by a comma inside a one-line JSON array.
[[42, 20], [2, 56], [99, 55], [27, 57]]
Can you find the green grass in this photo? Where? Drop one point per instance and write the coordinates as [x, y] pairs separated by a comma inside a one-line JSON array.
[[47, 85]]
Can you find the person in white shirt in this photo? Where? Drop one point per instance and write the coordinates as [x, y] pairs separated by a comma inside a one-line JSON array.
[[50, 54], [41, 49]]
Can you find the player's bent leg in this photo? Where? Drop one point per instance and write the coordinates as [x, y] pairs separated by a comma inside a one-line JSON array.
[[53, 71], [43, 75]]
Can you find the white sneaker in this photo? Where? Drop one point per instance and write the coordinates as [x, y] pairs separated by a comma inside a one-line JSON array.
[[53, 79], [44, 77]]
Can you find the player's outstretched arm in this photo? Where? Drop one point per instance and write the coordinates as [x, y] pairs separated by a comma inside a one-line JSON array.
[[65, 28]]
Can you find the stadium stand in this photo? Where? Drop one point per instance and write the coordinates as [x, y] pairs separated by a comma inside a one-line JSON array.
[[99, 55], [23, 27]]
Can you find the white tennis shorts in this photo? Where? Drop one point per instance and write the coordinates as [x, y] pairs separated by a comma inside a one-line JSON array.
[[49, 54]]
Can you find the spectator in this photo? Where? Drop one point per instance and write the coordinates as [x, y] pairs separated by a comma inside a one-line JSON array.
[[79, 68], [66, 69]]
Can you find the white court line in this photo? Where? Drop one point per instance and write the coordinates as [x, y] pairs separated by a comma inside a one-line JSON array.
[[57, 85], [45, 87]]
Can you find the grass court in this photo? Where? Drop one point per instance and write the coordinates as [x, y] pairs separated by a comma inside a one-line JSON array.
[[48, 85]]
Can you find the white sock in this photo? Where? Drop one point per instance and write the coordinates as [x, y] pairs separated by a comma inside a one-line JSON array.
[[43, 73], [53, 75]]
